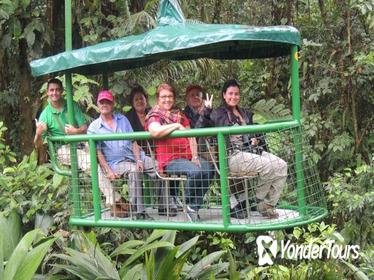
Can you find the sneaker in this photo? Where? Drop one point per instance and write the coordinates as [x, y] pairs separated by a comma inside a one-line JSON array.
[[239, 211], [193, 215], [143, 216], [177, 202], [267, 210]]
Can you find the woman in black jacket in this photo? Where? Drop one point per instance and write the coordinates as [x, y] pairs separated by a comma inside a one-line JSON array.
[[247, 153]]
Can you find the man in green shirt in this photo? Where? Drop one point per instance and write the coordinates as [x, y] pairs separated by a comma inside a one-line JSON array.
[[54, 122]]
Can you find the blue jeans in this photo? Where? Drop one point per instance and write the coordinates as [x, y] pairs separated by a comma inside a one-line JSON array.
[[198, 179]]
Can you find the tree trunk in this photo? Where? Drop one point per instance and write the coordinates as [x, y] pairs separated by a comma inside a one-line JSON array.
[[25, 102]]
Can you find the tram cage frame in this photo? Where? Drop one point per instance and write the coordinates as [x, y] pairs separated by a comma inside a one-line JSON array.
[[307, 213]]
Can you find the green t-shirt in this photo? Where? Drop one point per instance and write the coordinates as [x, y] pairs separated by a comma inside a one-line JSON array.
[[56, 120]]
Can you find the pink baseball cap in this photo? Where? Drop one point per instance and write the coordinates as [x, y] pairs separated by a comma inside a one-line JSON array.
[[105, 94]]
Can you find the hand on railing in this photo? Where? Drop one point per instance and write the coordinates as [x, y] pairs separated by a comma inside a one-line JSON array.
[[254, 141], [196, 160], [140, 165]]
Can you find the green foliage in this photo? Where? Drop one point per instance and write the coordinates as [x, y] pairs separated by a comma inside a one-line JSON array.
[[26, 257], [352, 197], [10, 228], [154, 258], [28, 188]]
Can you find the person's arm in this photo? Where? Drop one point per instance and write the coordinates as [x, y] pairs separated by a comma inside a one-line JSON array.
[[110, 174], [136, 151], [157, 130], [193, 146], [38, 140], [71, 130]]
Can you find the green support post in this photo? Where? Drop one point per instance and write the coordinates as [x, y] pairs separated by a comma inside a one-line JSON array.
[[69, 101], [296, 113], [95, 180], [223, 179], [105, 81]]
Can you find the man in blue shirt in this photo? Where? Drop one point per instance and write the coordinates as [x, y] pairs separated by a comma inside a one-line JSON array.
[[120, 157]]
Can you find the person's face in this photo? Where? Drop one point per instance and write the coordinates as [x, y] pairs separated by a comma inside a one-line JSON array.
[[165, 99], [105, 107], [54, 92], [195, 98], [139, 102], [232, 96]]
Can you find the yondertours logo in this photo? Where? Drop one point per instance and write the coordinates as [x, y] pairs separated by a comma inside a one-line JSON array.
[[267, 249]]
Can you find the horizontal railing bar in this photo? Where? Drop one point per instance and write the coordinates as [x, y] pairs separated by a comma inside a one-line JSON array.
[[299, 221], [196, 132]]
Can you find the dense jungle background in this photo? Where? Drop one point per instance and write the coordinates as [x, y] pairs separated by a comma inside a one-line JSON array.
[[337, 91]]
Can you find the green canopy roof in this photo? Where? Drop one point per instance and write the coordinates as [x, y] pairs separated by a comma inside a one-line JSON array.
[[175, 39]]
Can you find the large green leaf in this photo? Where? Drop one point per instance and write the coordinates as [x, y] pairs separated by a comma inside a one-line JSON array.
[[156, 234], [135, 273], [127, 248], [10, 227], [1, 259], [25, 259], [20, 253], [212, 270], [166, 269], [204, 264], [90, 262], [186, 246], [33, 260], [143, 249], [171, 266]]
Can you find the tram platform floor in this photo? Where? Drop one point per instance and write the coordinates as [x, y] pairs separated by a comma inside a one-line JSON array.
[[210, 215]]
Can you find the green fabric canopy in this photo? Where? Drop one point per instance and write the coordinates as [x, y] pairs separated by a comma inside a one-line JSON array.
[[175, 39]]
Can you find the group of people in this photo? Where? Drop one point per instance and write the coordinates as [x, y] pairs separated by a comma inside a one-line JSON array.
[[175, 156]]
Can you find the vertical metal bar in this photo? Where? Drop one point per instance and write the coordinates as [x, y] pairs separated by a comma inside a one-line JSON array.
[[68, 29], [295, 84], [105, 81], [223, 179], [69, 100], [95, 180], [297, 132]]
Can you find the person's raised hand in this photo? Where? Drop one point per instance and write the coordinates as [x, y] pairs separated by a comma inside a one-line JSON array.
[[208, 102], [40, 127]]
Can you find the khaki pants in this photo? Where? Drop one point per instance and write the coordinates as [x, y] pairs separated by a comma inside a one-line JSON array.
[[272, 172], [84, 163], [134, 183]]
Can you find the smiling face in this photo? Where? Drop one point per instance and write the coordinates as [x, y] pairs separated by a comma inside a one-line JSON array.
[[105, 107], [194, 98], [232, 96], [139, 102], [165, 99], [54, 92]]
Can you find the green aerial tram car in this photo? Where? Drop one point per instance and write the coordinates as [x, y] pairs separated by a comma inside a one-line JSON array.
[[302, 200]]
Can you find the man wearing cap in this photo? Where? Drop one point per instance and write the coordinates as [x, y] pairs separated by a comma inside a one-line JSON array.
[[195, 103], [120, 157]]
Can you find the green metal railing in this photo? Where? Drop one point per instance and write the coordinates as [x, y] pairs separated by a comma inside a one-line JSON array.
[[220, 133]]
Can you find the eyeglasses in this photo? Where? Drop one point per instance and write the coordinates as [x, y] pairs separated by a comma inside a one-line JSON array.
[[164, 97]]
